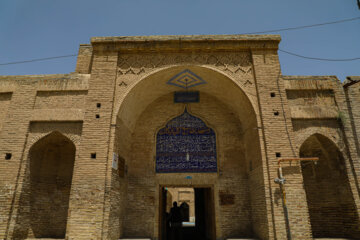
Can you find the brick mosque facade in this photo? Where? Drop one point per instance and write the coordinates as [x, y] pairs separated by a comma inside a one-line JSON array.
[[88, 155]]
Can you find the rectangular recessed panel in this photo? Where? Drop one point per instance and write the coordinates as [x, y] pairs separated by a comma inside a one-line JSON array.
[[186, 97], [226, 198], [60, 99], [5, 99]]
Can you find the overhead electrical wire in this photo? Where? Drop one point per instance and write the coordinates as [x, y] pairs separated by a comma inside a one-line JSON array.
[[306, 26], [38, 59], [268, 31], [321, 59]]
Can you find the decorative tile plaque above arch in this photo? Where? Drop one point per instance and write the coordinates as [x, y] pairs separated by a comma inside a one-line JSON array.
[[186, 144], [186, 79]]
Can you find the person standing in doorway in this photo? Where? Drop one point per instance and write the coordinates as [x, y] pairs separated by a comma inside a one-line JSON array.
[[176, 222]]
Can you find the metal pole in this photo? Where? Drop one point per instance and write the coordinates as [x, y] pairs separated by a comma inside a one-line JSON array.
[[286, 214], [281, 181]]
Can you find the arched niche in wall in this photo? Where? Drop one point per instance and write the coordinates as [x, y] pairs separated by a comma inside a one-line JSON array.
[[51, 169], [330, 201]]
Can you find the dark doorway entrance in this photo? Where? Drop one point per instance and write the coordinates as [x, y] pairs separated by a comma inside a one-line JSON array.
[[197, 211]]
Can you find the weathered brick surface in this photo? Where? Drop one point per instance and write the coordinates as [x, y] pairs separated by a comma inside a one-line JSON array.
[[84, 60], [87, 198], [4, 101], [331, 186], [60, 99], [12, 139], [117, 101], [278, 137], [352, 93], [16, 137]]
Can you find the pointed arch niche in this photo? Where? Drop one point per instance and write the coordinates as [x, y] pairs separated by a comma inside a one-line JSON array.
[[214, 143], [51, 163], [330, 201], [186, 144]]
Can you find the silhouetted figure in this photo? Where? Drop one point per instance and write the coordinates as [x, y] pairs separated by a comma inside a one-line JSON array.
[[358, 3], [184, 207], [175, 222]]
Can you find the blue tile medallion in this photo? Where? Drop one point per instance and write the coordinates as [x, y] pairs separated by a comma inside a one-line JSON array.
[[186, 79]]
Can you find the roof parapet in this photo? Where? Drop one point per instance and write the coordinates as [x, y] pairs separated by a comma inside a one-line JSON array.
[[185, 42]]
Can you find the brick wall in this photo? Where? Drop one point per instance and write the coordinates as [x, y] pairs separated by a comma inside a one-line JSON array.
[[60, 99], [84, 60], [20, 130], [278, 138], [89, 194], [352, 92], [117, 101], [325, 134]]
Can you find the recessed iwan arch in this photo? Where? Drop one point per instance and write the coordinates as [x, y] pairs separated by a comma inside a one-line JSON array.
[[203, 143]]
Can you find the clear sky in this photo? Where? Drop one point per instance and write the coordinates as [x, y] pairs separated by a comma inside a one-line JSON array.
[[32, 29]]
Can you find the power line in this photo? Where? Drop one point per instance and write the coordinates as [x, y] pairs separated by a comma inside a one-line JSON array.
[[268, 31], [38, 59], [321, 59], [306, 26]]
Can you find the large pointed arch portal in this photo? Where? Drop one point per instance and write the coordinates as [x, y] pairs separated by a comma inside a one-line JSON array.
[[186, 144]]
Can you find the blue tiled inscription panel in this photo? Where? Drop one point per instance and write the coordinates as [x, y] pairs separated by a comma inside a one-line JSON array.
[[186, 144]]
